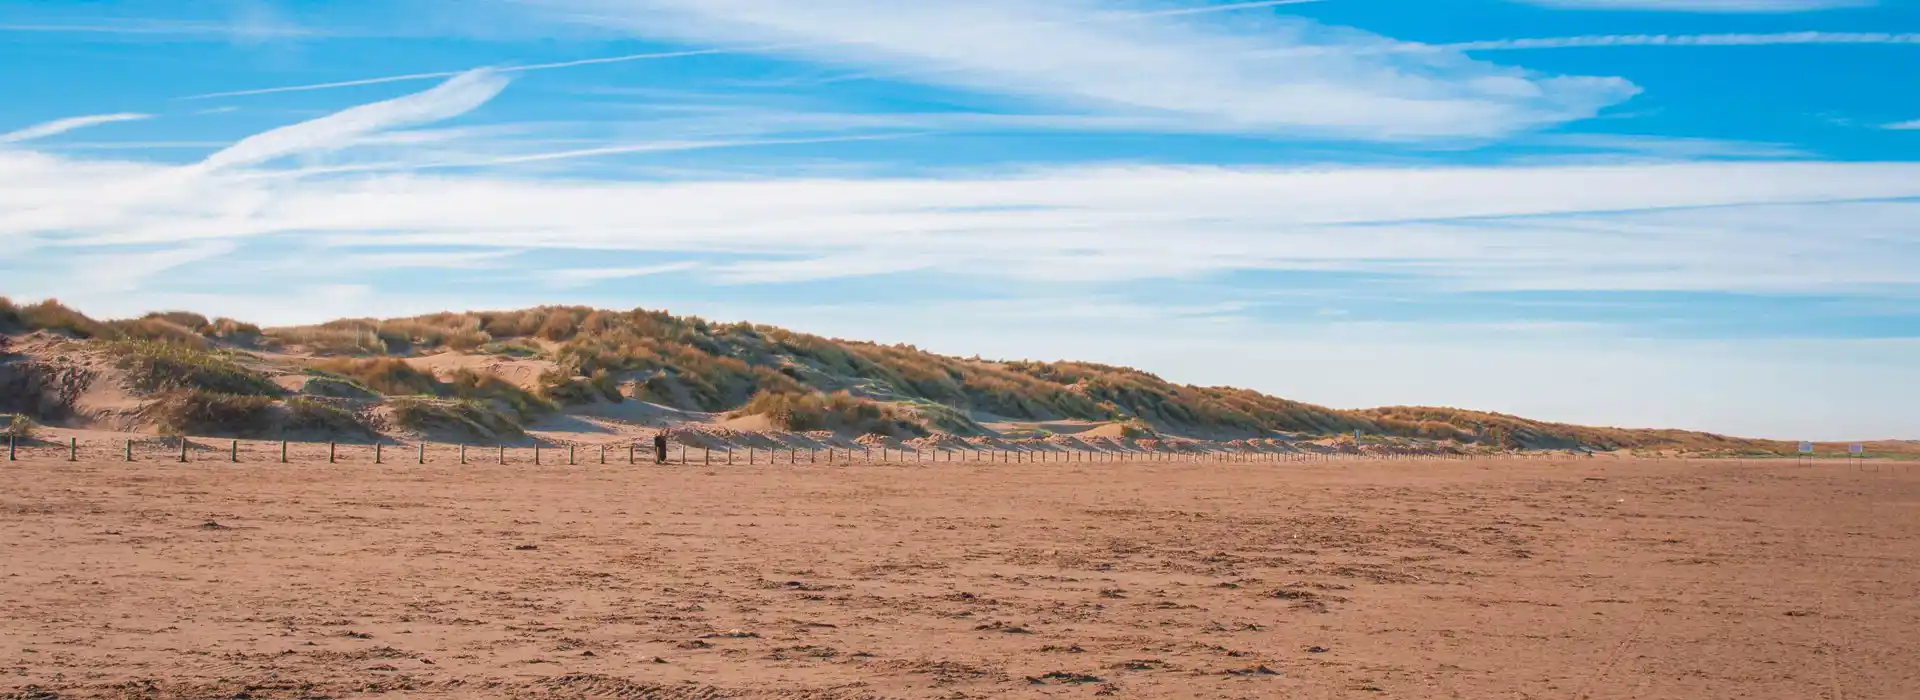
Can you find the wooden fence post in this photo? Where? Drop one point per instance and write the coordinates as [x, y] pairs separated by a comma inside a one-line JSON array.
[[73, 449], [129, 450], [376, 453], [233, 452], [283, 452], [423, 453], [331, 450]]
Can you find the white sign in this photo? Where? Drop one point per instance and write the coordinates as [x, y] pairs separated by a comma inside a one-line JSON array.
[[1856, 448], [1806, 448]]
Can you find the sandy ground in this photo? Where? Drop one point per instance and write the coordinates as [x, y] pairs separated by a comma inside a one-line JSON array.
[[1406, 579]]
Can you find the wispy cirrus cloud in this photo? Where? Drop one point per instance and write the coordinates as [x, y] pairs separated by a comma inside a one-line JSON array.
[[435, 75], [154, 28], [61, 126], [1670, 147], [1220, 75], [1675, 40], [1763, 6], [1062, 249], [583, 276], [1913, 125], [236, 21], [457, 96], [1711, 225]]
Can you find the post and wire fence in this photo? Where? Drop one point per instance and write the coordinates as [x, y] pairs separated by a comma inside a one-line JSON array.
[[672, 452]]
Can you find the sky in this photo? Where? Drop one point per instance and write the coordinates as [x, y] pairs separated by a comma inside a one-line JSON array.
[[1699, 214]]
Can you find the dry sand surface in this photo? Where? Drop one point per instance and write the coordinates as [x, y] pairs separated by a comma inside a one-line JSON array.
[[1466, 579]]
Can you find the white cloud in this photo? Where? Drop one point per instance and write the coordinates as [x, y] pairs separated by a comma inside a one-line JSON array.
[[61, 126], [1675, 40], [1670, 147], [1727, 226], [246, 29], [459, 95], [1217, 74], [127, 271], [1904, 126], [581, 276], [120, 237], [410, 77], [1762, 226], [1705, 5]]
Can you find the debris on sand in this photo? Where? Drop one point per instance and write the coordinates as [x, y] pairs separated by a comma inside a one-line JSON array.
[[1064, 677], [212, 525], [1255, 671], [1003, 628]]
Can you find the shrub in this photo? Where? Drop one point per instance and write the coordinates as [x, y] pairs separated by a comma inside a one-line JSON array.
[[185, 319], [390, 376], [201, 412], [330, 341], [158, 330], [474, 386], [512, 348], [1028, 433], [841, 411], [10, 316], [559, 386], [17, 427], [229, 328], [323, 383], [158, 367], [305, 413], [51, 315], [473, 418]]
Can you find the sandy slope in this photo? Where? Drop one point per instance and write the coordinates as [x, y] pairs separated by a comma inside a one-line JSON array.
[[1484, 579]]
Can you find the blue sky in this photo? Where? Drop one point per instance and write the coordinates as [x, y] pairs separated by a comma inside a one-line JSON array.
[[1686, 213]]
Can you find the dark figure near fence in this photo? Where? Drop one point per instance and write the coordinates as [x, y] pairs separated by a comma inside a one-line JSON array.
[[660, 448]]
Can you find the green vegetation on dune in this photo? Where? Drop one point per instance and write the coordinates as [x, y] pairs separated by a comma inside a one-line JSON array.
[[800, 381], [749, 369], [202, 412], [836, 411], [155, 366], [394, 377], [473, 418], [307, 413]]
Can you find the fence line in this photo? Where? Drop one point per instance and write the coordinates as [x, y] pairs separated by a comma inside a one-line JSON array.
[[680, 453]]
